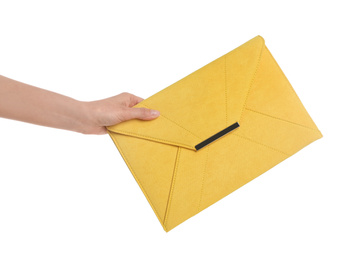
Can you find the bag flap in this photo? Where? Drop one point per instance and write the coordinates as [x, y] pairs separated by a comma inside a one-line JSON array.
[[201, 104]]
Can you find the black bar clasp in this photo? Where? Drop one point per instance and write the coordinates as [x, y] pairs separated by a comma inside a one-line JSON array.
[[217, 136]]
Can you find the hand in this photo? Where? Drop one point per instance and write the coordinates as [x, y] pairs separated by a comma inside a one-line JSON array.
[[114, 110], [23, 102]]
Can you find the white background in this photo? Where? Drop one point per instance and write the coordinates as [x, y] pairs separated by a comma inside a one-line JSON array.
[[66, 195]]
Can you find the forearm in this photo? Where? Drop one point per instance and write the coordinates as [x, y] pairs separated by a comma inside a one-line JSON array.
[[23, 102]]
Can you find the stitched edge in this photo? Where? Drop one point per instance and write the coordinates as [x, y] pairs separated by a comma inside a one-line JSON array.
[[281, 119], [291, 87], [203, 178], [226, 105], [172, 186], [161, 114], [136, 179], [267, 146], [252, 80], [153, 139]]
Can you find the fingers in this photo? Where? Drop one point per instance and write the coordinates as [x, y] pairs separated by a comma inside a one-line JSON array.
[[133, 100], [140, 113], [130, 112]]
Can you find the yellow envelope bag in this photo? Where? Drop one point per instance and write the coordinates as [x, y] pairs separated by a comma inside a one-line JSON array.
[[219, 128]]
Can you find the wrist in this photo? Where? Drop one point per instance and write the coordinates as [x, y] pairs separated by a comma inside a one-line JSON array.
[[88, 119]]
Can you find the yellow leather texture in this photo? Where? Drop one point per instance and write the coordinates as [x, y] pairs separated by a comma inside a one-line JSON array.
[[247, 86]]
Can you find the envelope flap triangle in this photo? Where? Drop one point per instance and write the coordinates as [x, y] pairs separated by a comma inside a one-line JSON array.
[[202, 103]]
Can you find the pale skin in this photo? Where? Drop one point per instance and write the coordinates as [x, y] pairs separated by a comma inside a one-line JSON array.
[[27, 103]]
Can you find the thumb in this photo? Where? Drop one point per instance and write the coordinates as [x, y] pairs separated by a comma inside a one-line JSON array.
[[140, 113]]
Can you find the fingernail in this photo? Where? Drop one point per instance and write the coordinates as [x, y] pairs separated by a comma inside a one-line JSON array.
[[155, 113]]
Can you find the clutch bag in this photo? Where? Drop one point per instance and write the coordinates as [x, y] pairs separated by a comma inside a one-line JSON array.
[[219, 128]]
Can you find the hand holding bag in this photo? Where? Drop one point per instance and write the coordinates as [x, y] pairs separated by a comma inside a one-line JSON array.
[[219, 128]]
